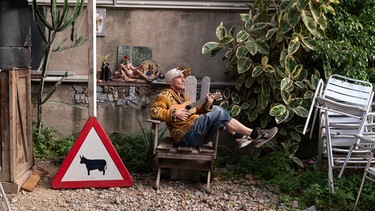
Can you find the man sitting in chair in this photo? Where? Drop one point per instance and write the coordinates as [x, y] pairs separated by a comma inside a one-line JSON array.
[[196, 129]]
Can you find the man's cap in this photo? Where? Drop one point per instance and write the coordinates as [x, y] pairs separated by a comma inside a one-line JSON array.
[[171, 74]]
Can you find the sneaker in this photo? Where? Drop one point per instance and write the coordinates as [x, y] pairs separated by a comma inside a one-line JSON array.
[[264, 136], [243, 142]]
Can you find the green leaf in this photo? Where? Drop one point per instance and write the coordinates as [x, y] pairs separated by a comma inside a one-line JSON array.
[[226, 93], [262, 102], [270, 33], [301, 111], [322, 20], [300, 85], [315, 10], [295, 102], [209, 46], [241, 51], [235, 98], [257, 71], [286, 5], [308, 94], [266, 89], [296, 137], [242, 36], [252, 115], [309, 21], [260, 25], [216, 51], [221, 31], [309, 43], [243, 64], [249, 82], [224, 104], [278, 110], [293, 46], [297, 71], [227, 39], [252, 47], [284, 26], [282, 118], [293, 16], [301, 4], [245, 106], [285, 95], [239, 82], [290, 64], [245, 17], [263, 47], [268, 69], [297, 161], [252, 103], [235, 110], [314, 81], [280, 72]]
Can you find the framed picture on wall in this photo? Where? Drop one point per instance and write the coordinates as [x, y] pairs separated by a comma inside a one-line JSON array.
[[100, 22]]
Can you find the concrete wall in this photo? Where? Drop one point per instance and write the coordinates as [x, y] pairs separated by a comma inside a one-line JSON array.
[[176, 38]]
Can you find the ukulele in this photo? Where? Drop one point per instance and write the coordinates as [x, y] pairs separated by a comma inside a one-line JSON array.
[[191, 107]]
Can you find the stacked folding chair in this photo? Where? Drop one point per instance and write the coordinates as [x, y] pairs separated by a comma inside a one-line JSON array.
[[340, 106], [365, 142]]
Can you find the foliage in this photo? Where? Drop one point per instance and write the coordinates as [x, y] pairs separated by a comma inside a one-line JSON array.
[[134, 151], [104, 59], [349, 47], [46, 145], [60, 20], [268, 57], [308, 186]]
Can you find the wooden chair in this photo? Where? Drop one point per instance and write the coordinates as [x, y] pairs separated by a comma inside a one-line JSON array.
[[170, 156]]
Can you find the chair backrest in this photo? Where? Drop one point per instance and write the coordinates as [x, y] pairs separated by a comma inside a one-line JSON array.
[[191, 87], [347, 96]]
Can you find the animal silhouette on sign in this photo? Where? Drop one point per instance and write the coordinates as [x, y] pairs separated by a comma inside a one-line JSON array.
[[99, 164]]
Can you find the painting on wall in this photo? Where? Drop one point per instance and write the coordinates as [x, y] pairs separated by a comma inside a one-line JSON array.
[[136, 54], [100, 22]]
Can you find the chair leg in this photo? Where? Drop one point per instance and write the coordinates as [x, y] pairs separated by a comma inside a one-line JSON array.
[[157, 185], [4, 196], [208, 179], [360, 188]]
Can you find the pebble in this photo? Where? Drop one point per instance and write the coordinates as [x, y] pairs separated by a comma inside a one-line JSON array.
[[172, 195]]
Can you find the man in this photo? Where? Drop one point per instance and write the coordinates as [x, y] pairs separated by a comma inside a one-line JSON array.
[[196, 129]]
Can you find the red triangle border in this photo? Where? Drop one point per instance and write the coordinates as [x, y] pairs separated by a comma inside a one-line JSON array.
[[92, 122]]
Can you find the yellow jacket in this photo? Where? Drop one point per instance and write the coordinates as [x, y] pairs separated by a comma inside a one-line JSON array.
[[164, 109]]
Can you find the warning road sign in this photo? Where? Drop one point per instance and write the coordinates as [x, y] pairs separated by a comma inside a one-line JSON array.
[[92, 162]]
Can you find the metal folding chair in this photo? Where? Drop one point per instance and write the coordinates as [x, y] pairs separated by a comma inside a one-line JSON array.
[[341, 105], [365, 143]]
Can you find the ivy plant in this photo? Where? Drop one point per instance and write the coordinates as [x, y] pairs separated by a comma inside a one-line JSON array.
[[268, 56]]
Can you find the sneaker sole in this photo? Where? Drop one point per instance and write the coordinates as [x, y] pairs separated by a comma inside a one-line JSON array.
[[261, 143], [244, 144]]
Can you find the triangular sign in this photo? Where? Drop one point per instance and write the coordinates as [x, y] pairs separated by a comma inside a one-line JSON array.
[[93, 162]]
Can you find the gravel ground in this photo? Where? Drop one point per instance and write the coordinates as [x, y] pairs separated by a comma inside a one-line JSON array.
[[172, 195]]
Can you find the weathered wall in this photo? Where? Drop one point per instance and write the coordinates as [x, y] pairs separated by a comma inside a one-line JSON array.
[[176, 38]]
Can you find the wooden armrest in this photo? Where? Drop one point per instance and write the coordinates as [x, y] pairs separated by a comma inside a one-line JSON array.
[[155, 121], [155, 126]]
